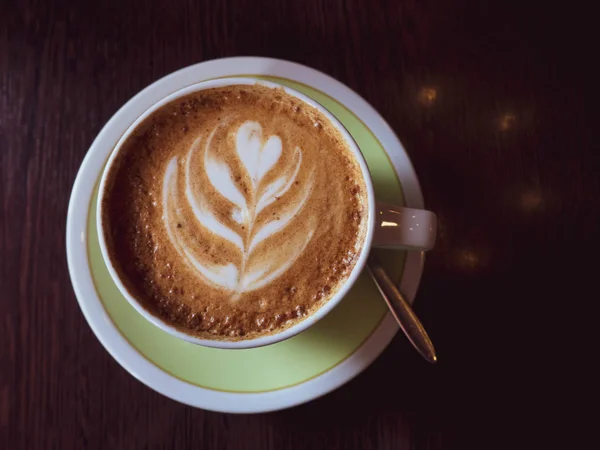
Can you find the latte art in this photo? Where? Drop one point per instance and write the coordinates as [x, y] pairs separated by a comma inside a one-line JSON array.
[[258, 157], [234, 212]]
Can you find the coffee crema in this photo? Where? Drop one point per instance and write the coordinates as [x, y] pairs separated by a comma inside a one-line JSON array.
[[234, 212]]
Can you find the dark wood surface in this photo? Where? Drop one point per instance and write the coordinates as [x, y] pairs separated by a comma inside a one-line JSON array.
[[506, 151]]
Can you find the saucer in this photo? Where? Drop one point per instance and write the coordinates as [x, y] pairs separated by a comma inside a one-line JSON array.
[[297, 370]]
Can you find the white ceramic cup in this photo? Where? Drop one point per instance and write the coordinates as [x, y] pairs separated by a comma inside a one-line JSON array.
[[388, 225]]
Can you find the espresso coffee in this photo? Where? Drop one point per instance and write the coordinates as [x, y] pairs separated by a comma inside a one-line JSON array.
[[234, 212]]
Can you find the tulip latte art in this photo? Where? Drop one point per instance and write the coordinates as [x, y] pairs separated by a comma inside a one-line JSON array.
[[234, 212]]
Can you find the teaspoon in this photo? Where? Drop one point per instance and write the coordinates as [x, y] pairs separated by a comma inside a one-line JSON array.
[[401, 310]]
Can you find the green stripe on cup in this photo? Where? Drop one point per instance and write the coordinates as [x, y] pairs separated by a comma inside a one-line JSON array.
[[287, 363]]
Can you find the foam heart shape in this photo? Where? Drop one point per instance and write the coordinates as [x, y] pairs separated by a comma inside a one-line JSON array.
[[257, 158]]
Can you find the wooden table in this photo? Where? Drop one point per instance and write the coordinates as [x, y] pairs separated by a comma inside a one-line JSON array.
[[490, 101]]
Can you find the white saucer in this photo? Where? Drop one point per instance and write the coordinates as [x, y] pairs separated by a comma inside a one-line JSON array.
[[121, 347]]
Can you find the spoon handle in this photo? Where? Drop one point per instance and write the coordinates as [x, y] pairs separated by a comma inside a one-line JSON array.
[[402, 311]]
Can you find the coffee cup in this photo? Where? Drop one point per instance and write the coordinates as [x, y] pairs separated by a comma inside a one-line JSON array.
[[384, 225]]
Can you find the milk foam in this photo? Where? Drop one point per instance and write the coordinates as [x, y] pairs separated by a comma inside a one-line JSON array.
[[258, 157]]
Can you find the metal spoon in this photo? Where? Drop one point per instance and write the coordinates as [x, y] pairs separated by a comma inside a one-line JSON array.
[[401, 310]]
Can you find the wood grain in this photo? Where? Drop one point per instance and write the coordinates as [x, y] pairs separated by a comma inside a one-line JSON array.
[[492, 102]]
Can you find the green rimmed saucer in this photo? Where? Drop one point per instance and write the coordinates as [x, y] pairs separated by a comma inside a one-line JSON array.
[[281, 375]]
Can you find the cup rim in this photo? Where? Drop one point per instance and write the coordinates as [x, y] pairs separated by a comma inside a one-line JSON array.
[[316, 315]]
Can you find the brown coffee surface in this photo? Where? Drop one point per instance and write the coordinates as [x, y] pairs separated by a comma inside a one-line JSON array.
[[234, 212]]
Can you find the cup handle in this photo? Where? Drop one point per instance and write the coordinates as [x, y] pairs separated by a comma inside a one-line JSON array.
[[399, 227]]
